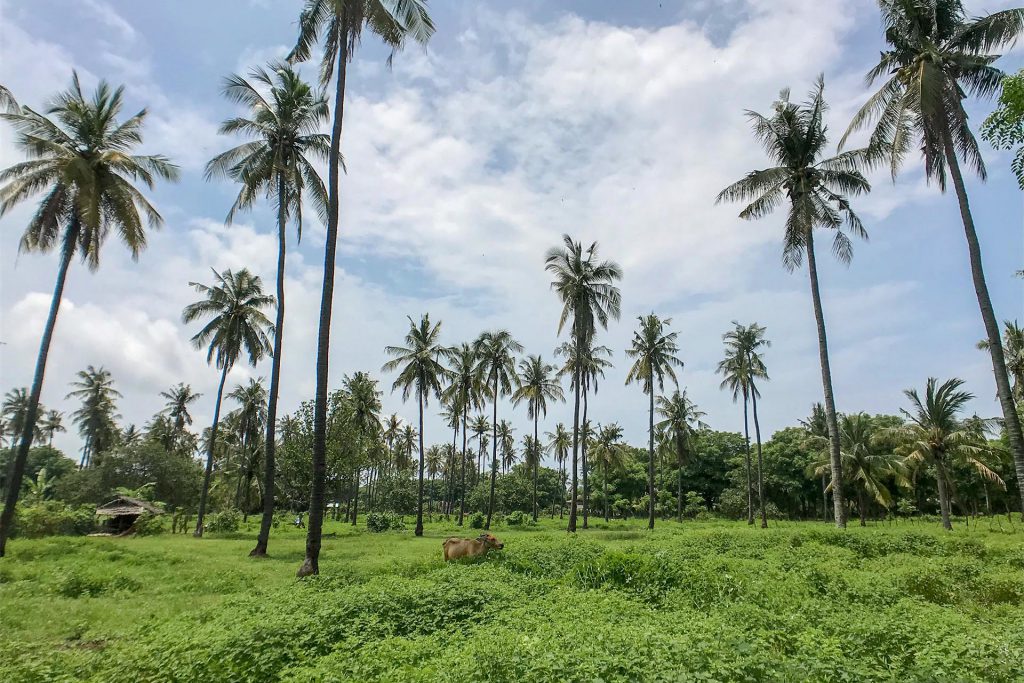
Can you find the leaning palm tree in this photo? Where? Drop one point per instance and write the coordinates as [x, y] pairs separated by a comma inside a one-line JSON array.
[[465, 391], [538, 385], [495, 352], [94, 387], [82, 160], [560, 441], [936, 436], [609, 454], [654, 352], [741, 368], [339, 24], [817, 191], [236, 325], [938, 56], [420, 370], [179, 398], [682, 421], [283, 118], [52, 422], [589, 296]]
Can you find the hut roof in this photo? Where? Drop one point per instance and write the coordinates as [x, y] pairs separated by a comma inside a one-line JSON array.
[[123, 505]]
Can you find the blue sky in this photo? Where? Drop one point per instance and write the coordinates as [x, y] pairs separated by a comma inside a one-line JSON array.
[[616, 122]]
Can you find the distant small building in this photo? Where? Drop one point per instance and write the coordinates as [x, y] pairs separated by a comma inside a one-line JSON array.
[[120, 514]]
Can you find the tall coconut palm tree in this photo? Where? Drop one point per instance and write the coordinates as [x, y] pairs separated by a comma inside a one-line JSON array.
[[179, 398], [506, 445], [283, 120], [235, 324], [937, 57], [480, 427], [52, 422], [867, 467], [816, 426], [495, 351], [936, 436], [609, 454], [365, 402], [654, 351], [81, 158], [538, 385], [589, 296], [817, 191], [1013, 352], [419, 369], [392, 432], [682, 421], [339, 25], [560, 441], [434, 465], [252, 417], [96, 417], [15, 409], [741, 368], [465, 391]]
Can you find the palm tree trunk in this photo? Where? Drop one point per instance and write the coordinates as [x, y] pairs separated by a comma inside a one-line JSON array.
[[943, 498], [355, 497], [311, 564], [862, 508], [210, 449], [419, 495], [679, 482], [838, 499], [746, 441], [604, 492], [824, 499], [267, 520], [575, 452], [494, 456], [17, 469], [536, 461], [650, 456], [462, 493], [1011, 420], [561, 503], [586, 469], [760, 462]]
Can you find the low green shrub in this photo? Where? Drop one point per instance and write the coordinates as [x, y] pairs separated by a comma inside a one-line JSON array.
[[78, 582], [53, 518], [476, 520], [225, 521], [149, 525], [519, 518], [378, 522]]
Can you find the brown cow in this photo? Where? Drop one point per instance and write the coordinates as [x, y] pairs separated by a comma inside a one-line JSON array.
[[457, 548]]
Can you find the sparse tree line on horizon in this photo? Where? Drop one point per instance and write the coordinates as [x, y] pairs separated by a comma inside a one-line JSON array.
[[80, 157]]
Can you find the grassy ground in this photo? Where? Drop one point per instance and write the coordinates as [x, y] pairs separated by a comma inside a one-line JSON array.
[[698, 601]]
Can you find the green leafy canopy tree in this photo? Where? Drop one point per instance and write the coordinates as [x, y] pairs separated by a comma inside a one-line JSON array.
[[1004, 128], [81, 159]]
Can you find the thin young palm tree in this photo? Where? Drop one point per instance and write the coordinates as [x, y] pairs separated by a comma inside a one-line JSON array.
[[816, 426], [609, 454], [251, 421], [51, 423], [15, 409], [283, 118], [365, 402], [81, 158], [465, 391], [96, 417], [936, 436], [179, 398], [937, 57], [495, 352], [419, 369], [538, 385], [817, 190], [340, 24], [682, 421], [236, 325], [392, 434], [560, 441], [480, 427], [654, 351], [741, 368], [589, 296]]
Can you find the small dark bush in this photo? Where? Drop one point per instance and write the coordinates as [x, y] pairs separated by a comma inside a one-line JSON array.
[[519, 518], [378, 522], [225, 521], [476, 520]]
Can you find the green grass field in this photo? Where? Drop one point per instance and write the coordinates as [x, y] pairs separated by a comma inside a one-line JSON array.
[[696, 602]]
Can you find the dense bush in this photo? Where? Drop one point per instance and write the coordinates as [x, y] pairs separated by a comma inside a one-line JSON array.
[[225, 521], [519, 518], [476, 520], [384, 521], [53, 518], [147, 525]]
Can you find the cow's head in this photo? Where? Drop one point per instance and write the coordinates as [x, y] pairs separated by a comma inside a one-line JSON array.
[[490, 542]]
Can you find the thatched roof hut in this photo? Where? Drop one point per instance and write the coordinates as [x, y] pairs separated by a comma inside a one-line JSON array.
[[122, 512]]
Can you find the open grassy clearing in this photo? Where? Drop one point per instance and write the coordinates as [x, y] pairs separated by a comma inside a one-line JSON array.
[[702, 601]]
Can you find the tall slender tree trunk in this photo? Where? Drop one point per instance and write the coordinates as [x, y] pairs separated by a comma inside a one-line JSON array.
[[494, 457], [604, 492], [760, 461], [862, 507], [573, 498], [561, 503], [838, 498], [355, 497], [586, 464], [650, 456], [211, 448], [943, 499], [1011, 420], [536, 461], [462, 493], [824, 498], [746, 442], [311, 564], [17, 469], [419, 495], [679, 481], [269, 448]]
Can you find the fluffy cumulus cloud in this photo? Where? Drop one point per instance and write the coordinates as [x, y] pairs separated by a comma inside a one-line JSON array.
[[465, 164]]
